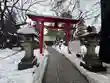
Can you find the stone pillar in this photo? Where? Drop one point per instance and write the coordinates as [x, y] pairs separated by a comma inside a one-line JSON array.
[[29, 60], [28, 49], [90, 45]]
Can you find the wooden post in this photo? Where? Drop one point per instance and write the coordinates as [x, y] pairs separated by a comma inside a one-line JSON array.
[[68, 31], [68, 34], [41, 37]]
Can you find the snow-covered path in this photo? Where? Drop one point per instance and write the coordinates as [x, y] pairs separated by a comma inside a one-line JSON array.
[[61, 70], [102, 77]]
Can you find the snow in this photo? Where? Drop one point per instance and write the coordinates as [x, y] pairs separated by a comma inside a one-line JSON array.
[[83, 49], [9, 72], [26, 29], [97, 50], [101, 77], [4, 53]]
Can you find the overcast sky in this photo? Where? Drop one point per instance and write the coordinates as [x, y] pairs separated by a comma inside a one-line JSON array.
[[90, 5]]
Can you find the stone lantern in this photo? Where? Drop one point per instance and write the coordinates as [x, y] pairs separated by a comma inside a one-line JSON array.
[[28, 43], [91, 60]]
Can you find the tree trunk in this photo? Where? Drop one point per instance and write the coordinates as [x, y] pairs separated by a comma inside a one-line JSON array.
[[104, 52]]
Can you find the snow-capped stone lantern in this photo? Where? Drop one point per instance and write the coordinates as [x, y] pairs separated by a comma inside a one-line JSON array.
[[29, 60], [91, 60]]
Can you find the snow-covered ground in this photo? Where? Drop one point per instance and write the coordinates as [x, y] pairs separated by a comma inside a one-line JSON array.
[[102, 77], [9, 72]]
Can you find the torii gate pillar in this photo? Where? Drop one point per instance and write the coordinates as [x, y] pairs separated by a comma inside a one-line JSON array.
[[41, 37]]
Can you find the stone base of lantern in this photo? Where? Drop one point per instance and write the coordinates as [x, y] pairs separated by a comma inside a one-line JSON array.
[[27, 63], [93, 65]]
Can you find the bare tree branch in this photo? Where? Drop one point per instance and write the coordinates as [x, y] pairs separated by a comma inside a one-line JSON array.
[[14, 5], [74, 6]]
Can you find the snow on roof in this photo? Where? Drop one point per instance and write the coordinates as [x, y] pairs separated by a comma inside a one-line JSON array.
[[26, 30]]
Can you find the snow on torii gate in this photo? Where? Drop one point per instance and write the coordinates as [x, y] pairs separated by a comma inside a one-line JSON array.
[[52, 19]]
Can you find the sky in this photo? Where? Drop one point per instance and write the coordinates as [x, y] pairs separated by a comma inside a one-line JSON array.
[[90, 5]]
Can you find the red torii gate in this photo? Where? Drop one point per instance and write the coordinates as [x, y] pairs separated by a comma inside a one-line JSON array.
[[55, 20]]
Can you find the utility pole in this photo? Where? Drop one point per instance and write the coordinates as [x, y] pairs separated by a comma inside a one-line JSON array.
[[104, 52]]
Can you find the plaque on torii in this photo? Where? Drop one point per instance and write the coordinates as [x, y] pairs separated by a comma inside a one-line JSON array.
[[51, 19]]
